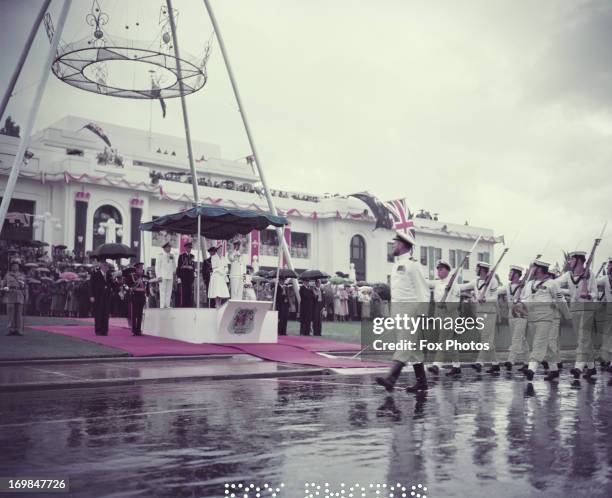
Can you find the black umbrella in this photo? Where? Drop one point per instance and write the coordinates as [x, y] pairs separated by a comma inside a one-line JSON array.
[[265, 274], [37, 243], [286, 273], [383, 290], [61, 246], [313, 275], [113, 251]]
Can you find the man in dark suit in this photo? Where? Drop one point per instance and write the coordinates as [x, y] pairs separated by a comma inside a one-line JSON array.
[[282, 306], [101, 287], [317, 308], [207, 272], [185, 269], [307, 303]]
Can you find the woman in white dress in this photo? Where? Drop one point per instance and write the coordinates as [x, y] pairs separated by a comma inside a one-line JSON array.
[[217, 288], [236, 271]]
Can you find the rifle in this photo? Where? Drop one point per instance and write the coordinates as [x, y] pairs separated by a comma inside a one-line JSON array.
[[585, 290], [490, 276], [518, 291], [451, 280]]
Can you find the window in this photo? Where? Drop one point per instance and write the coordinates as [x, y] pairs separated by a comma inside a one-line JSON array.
[[484, 257], [299, 245], [390, 256], [358, 256], [452, 258], [424, 255], [269, 243]]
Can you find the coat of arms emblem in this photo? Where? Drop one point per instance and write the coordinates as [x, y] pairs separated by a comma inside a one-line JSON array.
[[242, 322]]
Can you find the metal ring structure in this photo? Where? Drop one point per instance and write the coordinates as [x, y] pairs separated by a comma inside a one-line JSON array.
[[87, 66]]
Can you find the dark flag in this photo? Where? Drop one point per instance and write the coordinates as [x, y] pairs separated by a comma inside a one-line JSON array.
[[94, 128], [382, 215]]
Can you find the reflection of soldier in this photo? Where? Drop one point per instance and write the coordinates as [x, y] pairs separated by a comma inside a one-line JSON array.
[[185, 274], [605, 294]]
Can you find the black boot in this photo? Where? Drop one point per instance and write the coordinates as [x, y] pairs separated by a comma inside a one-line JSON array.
[[576, 372], [560, 366], [494, 369], [389, 381], [477, 367], [553, 374], [421, 379], [508, 365], [454, 372], [434, 369], [529, 374], [523, 368], [590, 372], [545, 365]]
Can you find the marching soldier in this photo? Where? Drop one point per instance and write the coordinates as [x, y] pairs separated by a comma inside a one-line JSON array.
[[582, 290], [486, 308], [448, 308], [517, 320], [139, 290], [185, 269], [165, 268], [604, 284], [542, 295], [409, 296], [13, 287]]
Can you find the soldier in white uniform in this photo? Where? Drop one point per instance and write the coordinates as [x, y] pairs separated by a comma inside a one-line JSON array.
[[517, 320], [165, 267], [448, 308], [236, 271], [409, 296], [541, 296], [604, 285], [486, 309], [582, 291]]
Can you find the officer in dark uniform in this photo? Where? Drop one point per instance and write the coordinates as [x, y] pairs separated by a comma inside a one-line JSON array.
[[139, 290], [282, 306], [185, 269], [101, 285]]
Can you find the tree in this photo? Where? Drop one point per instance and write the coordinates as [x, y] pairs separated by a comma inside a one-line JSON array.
[[10, 128]]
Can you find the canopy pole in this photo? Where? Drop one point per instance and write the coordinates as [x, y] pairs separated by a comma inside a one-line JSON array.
[[194, 174], [23, 56], [198, 263], [245, 122], [278, 265], [27, 131]]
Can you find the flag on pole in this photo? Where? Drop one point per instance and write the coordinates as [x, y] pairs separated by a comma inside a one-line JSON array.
[[381, 212], [401, 214], [99, 132]]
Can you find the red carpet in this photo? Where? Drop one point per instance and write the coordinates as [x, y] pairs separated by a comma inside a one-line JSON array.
[[290, 349]]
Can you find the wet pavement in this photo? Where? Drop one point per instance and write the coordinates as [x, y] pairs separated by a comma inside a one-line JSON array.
[[474, 437]]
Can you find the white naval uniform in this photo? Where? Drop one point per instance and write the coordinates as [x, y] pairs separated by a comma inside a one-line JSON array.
[[450, 308], [519, 347], [543, 298], [165, 268], [604, 285], [236, 274], [217, 287], [583, 316], [410, 296], [487, 311]]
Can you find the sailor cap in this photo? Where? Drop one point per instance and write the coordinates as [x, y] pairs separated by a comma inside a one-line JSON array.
[[443, 262], [407, 237], [519, 269], [483, 264], [167, 244], [577, 253], [541, 264]]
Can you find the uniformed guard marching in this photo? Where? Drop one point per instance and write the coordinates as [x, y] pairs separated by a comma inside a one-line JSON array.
[[444, 310], [486, 309], [517, 319], [185, 272], [409, 296], [139, 290], [541, 296], [14, 291], [604, 284], [582, 289]]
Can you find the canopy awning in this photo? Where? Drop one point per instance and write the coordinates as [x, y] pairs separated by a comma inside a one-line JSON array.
[[216, 222]]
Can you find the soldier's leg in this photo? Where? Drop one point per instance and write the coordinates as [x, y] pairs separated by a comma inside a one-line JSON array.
[[487, 336], [19, 318], [539, 348], [519, 349], [583, 325], [10, 315]]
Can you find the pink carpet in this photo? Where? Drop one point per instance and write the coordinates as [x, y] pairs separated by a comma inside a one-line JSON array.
[[290, 349]]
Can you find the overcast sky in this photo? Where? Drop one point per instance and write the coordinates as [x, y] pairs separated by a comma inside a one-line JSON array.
[[492, 111]]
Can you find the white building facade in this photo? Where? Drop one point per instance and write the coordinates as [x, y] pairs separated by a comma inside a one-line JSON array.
[[72, 186]]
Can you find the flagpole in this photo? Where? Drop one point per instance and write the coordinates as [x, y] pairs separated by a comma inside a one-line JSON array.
[[23, 56], [27, 131], [247, 128]]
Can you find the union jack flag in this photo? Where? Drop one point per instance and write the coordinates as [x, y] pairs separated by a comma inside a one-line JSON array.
[[401, 215]]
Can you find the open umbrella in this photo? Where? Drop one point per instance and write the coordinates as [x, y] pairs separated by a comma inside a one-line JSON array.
[[265, 274], [61, 246], [31, 265], [336, 279], [69, 275], [43, 269], [46, 279], [313, 275], [113, 251], [37, 243], [33, 281], [286, 273]]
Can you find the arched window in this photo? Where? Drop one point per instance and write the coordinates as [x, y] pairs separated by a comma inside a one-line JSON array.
[[358, 256], [102, 215]]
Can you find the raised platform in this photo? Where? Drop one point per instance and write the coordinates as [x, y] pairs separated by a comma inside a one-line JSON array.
[[235, 322]]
